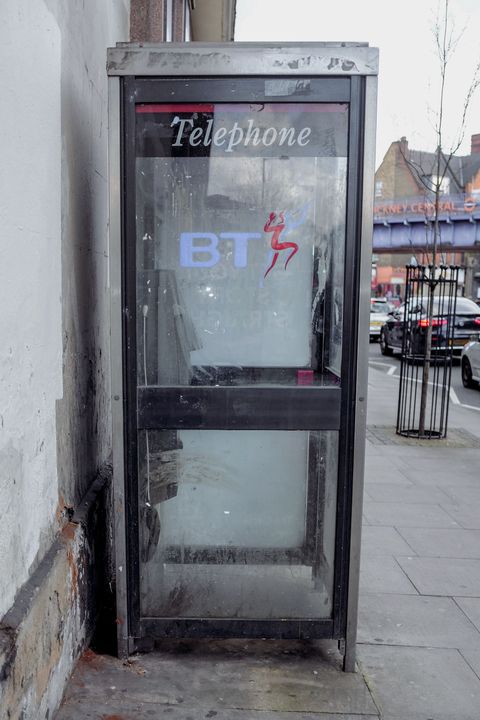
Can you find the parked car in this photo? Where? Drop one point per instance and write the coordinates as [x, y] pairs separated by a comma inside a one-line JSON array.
[[471, 364], [379, 309], [466, 323]]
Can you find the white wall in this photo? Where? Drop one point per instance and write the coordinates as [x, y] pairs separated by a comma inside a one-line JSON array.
[[54, 384]]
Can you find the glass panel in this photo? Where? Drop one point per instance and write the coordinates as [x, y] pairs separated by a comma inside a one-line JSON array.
[[240, 242], [237, 523]]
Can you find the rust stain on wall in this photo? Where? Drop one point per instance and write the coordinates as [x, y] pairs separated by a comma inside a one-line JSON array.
[[72, 564], [68, 532], [68, 536]]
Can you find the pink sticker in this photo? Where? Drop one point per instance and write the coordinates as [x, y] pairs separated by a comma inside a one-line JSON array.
[[304, 377]]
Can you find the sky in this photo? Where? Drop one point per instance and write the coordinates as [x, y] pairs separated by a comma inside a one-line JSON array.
[[409, 79]]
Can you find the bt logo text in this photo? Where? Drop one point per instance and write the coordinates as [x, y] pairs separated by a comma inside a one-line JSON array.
[[200, 249]]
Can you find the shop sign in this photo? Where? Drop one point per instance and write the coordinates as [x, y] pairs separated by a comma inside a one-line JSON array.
[[427, 209]]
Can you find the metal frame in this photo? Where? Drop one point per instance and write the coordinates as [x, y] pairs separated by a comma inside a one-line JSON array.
[[353, 62], [116, 361], [242, 408], [362, 345]]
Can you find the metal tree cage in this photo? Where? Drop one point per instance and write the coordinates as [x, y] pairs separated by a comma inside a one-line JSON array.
[[427, 351]]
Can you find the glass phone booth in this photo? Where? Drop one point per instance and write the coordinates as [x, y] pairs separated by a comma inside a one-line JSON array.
[[240, 233]]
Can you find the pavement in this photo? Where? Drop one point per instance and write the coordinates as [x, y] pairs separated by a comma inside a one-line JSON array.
[[419, 615]]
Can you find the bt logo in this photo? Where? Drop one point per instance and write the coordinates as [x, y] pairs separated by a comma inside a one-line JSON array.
[[201, 249]]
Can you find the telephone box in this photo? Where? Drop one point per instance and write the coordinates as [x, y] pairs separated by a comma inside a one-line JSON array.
[[240, 233]]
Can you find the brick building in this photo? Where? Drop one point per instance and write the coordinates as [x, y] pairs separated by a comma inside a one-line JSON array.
[[404, 188]]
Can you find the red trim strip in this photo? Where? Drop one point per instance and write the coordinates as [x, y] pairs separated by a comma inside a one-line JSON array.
[[183, 107], [241, 107]]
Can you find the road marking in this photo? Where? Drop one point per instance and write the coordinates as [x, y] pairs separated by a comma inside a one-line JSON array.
[[454, 397], [456, 401], [391, 368]]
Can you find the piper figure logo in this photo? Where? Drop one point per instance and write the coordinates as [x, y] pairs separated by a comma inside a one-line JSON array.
[[278, 246], [285, 224]]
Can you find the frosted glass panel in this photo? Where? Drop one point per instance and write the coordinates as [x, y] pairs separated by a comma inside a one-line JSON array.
[[238, 522], [247, 485]]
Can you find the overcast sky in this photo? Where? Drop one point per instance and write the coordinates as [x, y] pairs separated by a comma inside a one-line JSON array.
[[409, 75]]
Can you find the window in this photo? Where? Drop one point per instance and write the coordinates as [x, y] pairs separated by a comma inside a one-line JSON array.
[[444, 184]]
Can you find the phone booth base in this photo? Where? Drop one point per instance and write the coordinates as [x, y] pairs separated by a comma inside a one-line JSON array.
[[240, 238]]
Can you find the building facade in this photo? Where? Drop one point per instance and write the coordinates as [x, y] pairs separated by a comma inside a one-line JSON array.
[[404, 211]]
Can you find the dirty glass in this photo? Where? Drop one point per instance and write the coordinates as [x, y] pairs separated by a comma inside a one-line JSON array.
[[237, 523], [240, 234], [240, 218]]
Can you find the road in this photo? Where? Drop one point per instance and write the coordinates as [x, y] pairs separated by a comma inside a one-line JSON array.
[[458, 394]]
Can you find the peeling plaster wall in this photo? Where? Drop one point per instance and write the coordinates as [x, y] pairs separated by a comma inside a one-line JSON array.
[[83, 412], [46, 640], [30, 287], [54, 319], [51, 620]]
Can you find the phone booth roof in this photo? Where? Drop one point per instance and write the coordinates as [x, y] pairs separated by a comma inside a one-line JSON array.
[[243, 58]]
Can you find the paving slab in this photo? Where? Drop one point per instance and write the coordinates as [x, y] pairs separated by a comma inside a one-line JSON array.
[[234, 680], [466, 514], [406, 493], [401, 514], [428, 452], [143, 710], [425, 458], [472, 657], [384, 455], [457, 462], [464, 493], [457, 437], [443, 576], [440, 472], [412, 683], [385, 474], [415, 620], [471, 608], [378, 541], [439, 542], [384, 575]]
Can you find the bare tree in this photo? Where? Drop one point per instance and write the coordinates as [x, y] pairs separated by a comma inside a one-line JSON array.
[[446, 42]]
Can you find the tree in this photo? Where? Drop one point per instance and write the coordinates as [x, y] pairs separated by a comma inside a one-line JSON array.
[[446, 42]]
